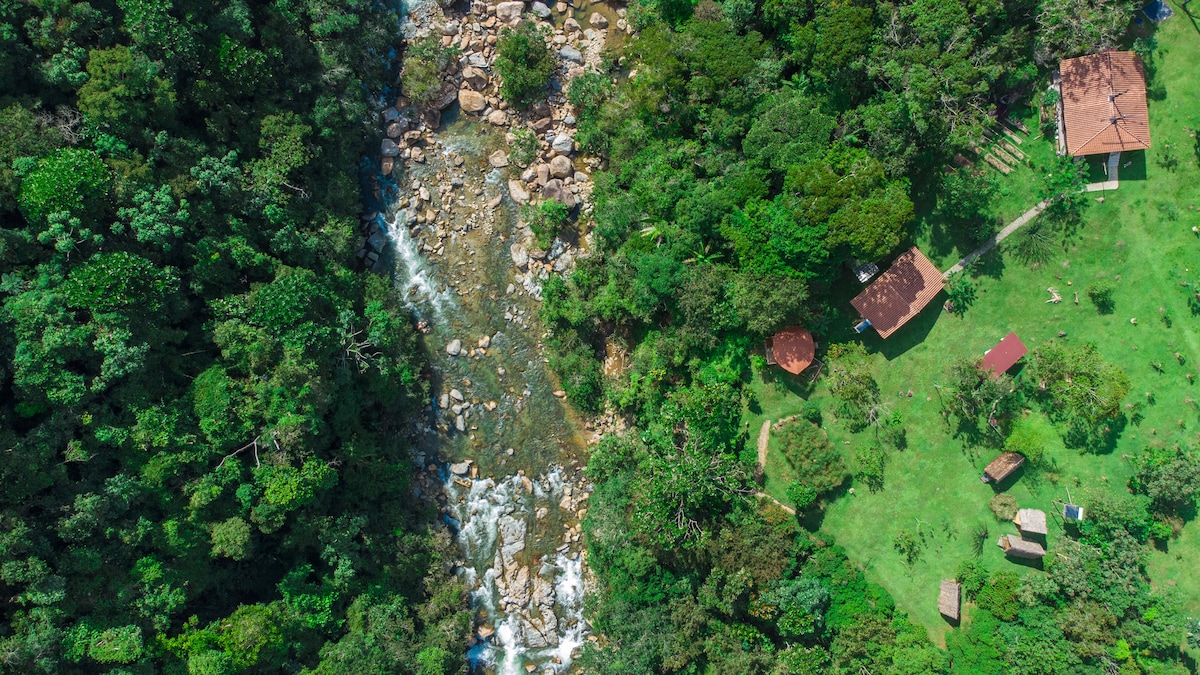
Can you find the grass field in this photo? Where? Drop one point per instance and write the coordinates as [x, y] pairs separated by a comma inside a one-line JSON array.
[[1141, 238]]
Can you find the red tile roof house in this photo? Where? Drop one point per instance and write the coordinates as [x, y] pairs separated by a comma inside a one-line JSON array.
[[1104, 106], [900, 293]]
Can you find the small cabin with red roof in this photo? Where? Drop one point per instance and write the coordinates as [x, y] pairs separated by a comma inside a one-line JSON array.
[[792, 349], [1003, 356]]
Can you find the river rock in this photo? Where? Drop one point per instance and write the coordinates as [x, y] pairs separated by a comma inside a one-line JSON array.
[[454, 347], [485, 342], [444, 99], [388, 148], [377, 241], [471, 101], [395, 130], [512, 536], [556, 249], [457, 395], [498, 117], [485, 631], [571, 24], [498, 159], [554, 190], [598, 20], [542, 172], [560, 167], [563, 144], [516, 190], [542, 11], [387, 165], [475, 78], [460, 468], [510, 12], [460, 423], [520, 256], [571, 54]]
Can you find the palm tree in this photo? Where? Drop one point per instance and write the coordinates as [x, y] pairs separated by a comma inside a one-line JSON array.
[[704, 256]]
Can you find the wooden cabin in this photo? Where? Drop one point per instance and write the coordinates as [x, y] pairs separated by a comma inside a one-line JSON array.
[[949, 599], [1002, 467]]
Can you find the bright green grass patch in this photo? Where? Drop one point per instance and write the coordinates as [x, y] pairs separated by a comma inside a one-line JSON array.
[[1141, 240]]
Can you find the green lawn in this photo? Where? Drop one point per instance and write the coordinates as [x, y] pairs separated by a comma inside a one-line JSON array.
[[1141, 238]]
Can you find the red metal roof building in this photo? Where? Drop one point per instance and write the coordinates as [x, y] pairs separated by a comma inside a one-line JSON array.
[[900, 293], [1003, 356], [1104, 103], [792, 349]]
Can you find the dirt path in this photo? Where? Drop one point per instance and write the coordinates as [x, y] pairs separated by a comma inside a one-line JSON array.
[[764, 436], [778, 503]]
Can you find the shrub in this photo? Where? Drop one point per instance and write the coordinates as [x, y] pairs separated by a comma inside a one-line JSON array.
[[525, 64], [961, 293], [800, 495], [870, 461], [1004, 506], [546, 220], [816, 462], [908, 546], [811, 412], [972, 575], [1101, 295], [524, 147], [999, 596], [424, 61]]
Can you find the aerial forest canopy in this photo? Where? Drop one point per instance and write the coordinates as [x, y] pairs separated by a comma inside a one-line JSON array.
[[753, 149], [201, 469]]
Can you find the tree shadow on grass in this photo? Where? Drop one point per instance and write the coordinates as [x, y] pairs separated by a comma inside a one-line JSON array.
[[1031, 563]]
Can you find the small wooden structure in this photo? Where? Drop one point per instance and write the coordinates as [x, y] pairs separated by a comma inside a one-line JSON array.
[[949, 599], [1019, 547], [792, 349], [1031, 521], [1004, 355], [1002, 467]]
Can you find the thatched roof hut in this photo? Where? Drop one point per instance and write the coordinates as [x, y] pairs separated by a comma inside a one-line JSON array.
[[1002, 466], [1019, 547], [949, 598], [1031, 521]]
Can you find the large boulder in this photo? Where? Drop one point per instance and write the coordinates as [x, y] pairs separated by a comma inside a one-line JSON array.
[[569, 53], [454, 347], [388, 148], [560, 167], [510, 12], [516, 190], [541, 10], [471, 101], [520, 256], [563, 144], [498, 159], [475, 78], [598, 20], [556, 190], [498, 117]]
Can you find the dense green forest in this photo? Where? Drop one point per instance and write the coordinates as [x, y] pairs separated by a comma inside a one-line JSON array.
[[201, 465], [753, 149]]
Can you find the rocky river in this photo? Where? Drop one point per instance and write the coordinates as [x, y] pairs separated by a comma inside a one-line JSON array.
[[499, 449]]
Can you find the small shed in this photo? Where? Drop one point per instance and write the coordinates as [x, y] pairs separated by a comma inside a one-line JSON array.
[[1019, 547], [1004, 355], [949, 599], [1031, 521], [792, 349], [1002, 466]]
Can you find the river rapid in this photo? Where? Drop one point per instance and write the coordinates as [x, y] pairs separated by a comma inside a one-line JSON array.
[[497, 443]]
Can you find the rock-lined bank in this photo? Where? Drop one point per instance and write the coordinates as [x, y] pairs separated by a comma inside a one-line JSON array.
[[557, 172]]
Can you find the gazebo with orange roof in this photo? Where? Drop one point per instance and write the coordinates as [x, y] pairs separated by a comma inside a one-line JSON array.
[[792, 349]]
